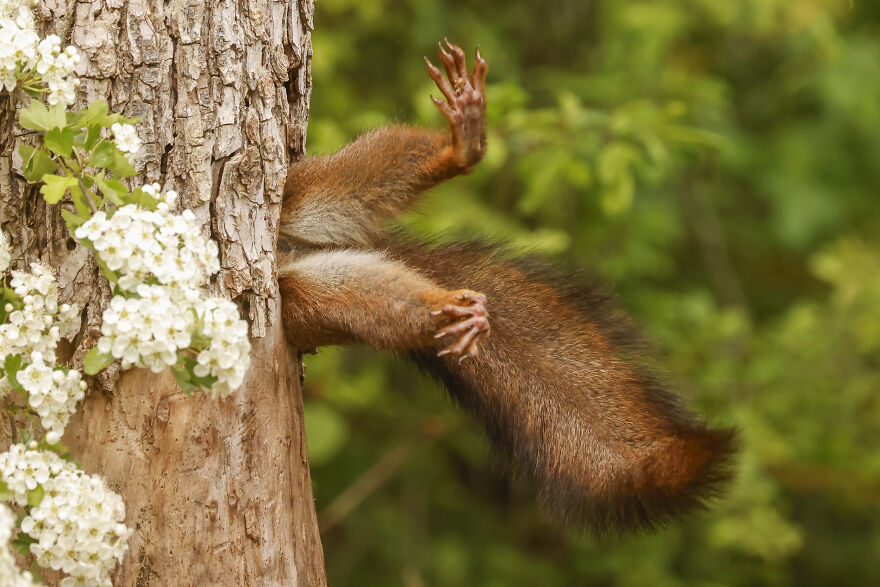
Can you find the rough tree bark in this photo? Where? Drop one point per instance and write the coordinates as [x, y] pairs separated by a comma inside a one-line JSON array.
[[218, 492]]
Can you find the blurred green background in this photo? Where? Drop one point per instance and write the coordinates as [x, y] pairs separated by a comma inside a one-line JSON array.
[[718, 162]]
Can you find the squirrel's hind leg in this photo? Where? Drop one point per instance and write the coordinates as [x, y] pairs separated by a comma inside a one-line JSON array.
[[349, 296]]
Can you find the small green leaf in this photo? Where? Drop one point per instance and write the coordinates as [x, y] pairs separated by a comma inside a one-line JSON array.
[[121, 166], [94, 114], [58, 448], [94, 133], [95, 360], [182, 376], [114, 190], [37, 117], [104, 154], [36, 573], [141, 198], [72, 220], [59, 141], [204, 382], [111, 275], [38, 164], [98, 113], [12, 365], [54, 187], [26, 152], [35, 496], [79, 202], [22, 544]]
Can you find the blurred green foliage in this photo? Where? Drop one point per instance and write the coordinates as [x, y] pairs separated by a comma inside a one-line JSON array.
[[718, 161]]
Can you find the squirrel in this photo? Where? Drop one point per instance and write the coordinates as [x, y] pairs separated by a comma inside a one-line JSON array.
[[567, 401]]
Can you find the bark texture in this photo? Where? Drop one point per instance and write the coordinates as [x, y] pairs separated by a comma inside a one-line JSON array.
[[218, 491]]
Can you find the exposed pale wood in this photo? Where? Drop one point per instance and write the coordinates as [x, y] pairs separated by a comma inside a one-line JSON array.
[[218, 491]]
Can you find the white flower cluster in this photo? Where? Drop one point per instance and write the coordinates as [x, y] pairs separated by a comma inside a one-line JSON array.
[[148, 331], [33, 332], [5, 252], [10, 574], [41, 322], [163, 258], [140, 244], [22, 53], [227, 355], [78, 526], [18, 40], [126, 138], [56, 69], [53, 393]]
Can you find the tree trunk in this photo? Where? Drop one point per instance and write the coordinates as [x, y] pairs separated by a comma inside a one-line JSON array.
[[218, 492]]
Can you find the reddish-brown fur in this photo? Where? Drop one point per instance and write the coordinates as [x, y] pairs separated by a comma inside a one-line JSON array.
[[565, 396]]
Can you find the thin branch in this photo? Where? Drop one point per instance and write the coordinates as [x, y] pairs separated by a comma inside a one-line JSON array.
[[366, 484], [713, 248], [376, 476]]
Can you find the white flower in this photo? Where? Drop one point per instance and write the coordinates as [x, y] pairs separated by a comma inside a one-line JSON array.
[[149, 330], [228, 354], [139, 243], [53, 393], [126, 138], [40, 323], [78, 526], [36, 378], [37, 62]]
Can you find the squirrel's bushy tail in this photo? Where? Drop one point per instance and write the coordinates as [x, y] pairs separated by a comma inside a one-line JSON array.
[[566, 400]]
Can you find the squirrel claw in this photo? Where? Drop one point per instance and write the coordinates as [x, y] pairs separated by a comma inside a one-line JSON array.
[[465, 104], [473, 326]]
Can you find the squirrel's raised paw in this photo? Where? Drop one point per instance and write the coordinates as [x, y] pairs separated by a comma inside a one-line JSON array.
[[471, 324], [465, 105]]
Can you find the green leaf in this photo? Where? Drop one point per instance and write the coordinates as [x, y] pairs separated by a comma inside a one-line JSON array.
[[121, 166], [22, 544], [114, 190], [182, 376], [96, 113], [26, 152], [204, 382], [79, 201], [60, 141], [111, 275], [5, 493], [36, 573], [37, 117], [58, 448], [35, 496], [12, 365], [94, 133], [54, 187], [104, 154], [142, 199], [95, 360], [72, 220], [38, 164]]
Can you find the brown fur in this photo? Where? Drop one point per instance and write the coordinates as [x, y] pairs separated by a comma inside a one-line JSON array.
[[566, 399], [371, 180], [560, 386]]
